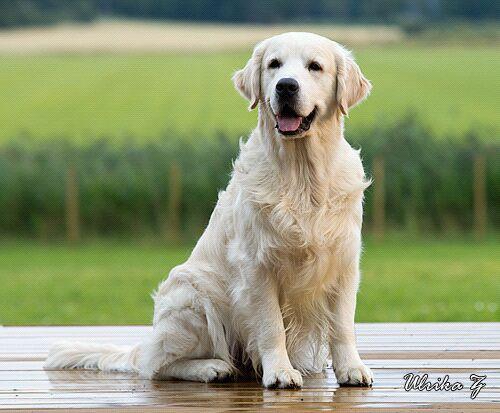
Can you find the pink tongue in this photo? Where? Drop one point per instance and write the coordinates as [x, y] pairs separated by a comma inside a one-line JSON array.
[[288, 124]]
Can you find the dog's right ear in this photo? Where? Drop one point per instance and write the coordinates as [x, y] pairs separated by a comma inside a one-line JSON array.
[[247, 80]]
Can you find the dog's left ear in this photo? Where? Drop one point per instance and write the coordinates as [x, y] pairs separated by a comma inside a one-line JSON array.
[[247, 80], [352, 86]]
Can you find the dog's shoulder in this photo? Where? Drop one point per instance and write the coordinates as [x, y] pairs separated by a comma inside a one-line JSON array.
[[348, 177]]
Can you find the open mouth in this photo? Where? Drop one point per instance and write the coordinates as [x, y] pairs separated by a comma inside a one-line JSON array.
[[289, 123]]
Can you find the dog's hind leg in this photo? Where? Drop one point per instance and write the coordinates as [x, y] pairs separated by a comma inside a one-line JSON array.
[[180, 345]]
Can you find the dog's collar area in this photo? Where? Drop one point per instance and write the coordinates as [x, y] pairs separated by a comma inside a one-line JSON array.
[[305, 122]]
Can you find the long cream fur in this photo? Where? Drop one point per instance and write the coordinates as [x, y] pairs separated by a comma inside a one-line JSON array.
[[272, 282]]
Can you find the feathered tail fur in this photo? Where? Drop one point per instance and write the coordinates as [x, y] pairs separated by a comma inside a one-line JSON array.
[[105, 357]]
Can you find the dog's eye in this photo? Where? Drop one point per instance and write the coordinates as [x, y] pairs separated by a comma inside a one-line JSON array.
[[274, 64], [314, 67]]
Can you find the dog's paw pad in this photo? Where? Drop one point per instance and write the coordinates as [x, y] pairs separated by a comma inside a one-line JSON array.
[[282, 379], [358, 375]]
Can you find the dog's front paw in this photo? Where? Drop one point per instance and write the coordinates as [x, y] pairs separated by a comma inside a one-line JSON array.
[[354, 375], [282, 379]]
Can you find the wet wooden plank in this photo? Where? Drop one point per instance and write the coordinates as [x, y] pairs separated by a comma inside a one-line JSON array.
[[82, 380], [361, 328], [391, 350], [363, 341], [302, 406], [11, 377], [381, 364]]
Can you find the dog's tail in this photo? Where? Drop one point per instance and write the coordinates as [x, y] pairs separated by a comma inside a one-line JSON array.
[[106, 357]]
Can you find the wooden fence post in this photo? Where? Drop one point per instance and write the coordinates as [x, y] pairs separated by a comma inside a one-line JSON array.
[[72, 206], [379, 196], [174, 202], [479, 190]]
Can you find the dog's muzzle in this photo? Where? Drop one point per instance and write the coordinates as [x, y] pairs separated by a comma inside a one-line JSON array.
[[288, 121]]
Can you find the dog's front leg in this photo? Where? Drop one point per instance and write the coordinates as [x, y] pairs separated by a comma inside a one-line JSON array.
[[266, 341], [348, 367]]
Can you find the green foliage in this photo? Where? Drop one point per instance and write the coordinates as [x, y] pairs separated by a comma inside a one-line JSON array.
[[84, 97], [15, 13], [428, 181], [124, 189], [451, 32], [294, 10], [47, 11], [110, 283]]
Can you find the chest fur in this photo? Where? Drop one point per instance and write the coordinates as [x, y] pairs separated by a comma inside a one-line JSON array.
[[299, 213], [304, 225], [308, 247]]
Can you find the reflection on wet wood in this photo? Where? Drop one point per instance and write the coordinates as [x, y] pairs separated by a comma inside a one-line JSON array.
[[391, 350]]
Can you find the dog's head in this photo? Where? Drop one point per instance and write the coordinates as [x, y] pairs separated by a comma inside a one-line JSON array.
[[301, 80]]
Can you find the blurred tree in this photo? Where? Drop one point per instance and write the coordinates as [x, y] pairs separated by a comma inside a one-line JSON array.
[[38, 12], [475, 10], [22, 12]]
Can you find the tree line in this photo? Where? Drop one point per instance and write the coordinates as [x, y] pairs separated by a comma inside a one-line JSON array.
[[29, 12], [431, 184]]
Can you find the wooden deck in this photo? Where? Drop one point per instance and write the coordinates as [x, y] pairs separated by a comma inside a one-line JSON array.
[[391, 350]]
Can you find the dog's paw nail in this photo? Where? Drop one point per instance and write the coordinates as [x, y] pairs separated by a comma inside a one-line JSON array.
[[358, 375], [282, 379]]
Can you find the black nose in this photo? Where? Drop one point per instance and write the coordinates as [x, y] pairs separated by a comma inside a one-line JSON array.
[[287, 87]]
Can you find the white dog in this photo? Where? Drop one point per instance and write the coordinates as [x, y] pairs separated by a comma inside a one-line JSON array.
[[272, 282]]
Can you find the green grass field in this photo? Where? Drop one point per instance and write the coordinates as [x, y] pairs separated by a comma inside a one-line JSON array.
[[452, 88], [110, 283]]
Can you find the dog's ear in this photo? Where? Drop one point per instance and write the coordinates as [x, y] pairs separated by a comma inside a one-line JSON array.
[[352, 86], [247, 80]]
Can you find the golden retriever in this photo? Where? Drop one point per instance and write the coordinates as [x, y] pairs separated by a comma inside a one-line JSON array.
[[271, 284]]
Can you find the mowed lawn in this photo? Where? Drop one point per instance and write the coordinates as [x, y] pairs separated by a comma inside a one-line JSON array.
[[110, 283], [85, 97]]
